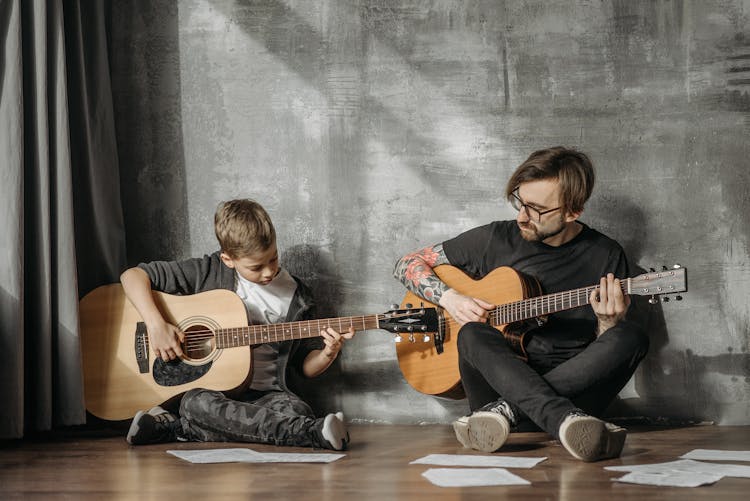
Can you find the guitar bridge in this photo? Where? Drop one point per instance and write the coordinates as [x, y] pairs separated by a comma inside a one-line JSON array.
[[141, 347]]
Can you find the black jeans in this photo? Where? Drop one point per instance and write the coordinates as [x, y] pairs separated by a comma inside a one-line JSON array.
[[588, 380], [273, 417]]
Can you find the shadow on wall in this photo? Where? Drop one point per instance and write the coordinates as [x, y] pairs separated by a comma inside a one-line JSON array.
[[146, 89], [621, 218], [318, 272], [680, 387], [672, 386]]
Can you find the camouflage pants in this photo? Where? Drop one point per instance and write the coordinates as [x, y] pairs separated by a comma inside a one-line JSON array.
[[273, 417]]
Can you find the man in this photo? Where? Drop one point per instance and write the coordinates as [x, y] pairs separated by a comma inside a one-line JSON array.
[[579, 359]]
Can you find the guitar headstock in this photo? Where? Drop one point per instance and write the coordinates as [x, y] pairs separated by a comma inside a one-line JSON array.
[[657, 283], [410, 320]]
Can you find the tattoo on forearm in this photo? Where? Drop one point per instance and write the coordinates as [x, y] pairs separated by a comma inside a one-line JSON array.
[[415, 272]]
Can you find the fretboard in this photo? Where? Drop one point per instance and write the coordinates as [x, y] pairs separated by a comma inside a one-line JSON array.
[[544, 305], [269, 333]]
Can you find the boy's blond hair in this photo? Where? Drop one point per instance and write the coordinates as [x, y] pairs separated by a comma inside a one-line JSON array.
[[243, 228]]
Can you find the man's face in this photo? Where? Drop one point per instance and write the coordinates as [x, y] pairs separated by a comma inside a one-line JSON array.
[[259, 268], [540, 196]]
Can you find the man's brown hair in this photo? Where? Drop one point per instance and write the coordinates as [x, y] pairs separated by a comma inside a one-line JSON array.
[[570, 167], [243, 228]]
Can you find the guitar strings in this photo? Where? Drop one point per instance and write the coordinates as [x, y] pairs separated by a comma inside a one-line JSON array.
[[522, 310], [199, 337]]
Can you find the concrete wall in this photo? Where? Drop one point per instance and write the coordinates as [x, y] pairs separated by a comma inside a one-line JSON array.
[[371, 128]]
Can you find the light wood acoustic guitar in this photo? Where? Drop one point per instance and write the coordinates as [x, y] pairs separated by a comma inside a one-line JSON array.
[[122, 376], [429, 363]]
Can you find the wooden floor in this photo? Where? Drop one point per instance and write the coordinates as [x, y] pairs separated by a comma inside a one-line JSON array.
[[82, 466]]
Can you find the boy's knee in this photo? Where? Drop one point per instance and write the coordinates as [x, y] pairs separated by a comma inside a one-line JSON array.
[[198, 400]]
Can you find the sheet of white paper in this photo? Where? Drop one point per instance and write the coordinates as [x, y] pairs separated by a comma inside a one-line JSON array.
[[472, 477], [291, 457], [215, 455], [471, 460], [251, 456], [687, 466], [670, 479], [679, 465], [717, 455]]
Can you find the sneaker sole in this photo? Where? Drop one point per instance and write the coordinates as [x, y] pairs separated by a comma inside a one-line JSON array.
[[593, 440], [487, 431], [461, 429], [134, 428]]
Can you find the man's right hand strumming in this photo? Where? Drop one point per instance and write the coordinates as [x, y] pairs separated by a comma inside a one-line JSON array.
[[465, 309]]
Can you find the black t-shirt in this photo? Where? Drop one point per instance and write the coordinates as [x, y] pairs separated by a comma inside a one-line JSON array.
[[581, 262]]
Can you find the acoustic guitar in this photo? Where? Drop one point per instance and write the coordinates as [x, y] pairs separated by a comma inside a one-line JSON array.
[[429, 363], [121, 375]]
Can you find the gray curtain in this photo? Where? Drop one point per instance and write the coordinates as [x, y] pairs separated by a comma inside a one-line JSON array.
[[61, 219]]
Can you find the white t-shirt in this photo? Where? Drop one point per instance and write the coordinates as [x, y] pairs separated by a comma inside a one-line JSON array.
[[266, 304]]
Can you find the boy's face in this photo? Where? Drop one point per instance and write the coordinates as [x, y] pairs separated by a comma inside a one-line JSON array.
[[259, 268]]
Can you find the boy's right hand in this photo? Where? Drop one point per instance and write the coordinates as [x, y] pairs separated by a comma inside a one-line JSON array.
[[165, 340]]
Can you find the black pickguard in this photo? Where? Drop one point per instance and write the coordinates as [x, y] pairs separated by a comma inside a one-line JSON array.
[[176, 372]]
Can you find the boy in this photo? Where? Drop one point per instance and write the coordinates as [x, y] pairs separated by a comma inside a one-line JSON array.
[[268, 412]]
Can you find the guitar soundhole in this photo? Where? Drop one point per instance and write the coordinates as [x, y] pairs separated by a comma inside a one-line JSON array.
[[199, 342]]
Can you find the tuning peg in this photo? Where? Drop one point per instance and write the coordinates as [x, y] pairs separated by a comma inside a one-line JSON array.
[[394, 306], [676, 265], [426, 338], [408, 306], [663, 268], [397, 338], [665, 299], [411, 338], [652, 270], [653, 300], [678, 298]]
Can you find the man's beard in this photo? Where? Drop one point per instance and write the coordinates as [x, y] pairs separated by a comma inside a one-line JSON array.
[[531, 233]]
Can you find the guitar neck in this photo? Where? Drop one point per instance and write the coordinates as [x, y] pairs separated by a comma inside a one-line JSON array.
[[269, 333], [544, 305]]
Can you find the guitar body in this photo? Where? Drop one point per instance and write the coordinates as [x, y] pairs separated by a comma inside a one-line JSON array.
[[115, 387], [433, 373], [121, 375]]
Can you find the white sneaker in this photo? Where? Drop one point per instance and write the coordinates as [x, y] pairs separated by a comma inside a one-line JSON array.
[[153, 427], [590, 439], [482, 430]]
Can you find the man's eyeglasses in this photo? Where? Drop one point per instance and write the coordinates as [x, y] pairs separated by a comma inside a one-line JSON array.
[[533, 213]]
